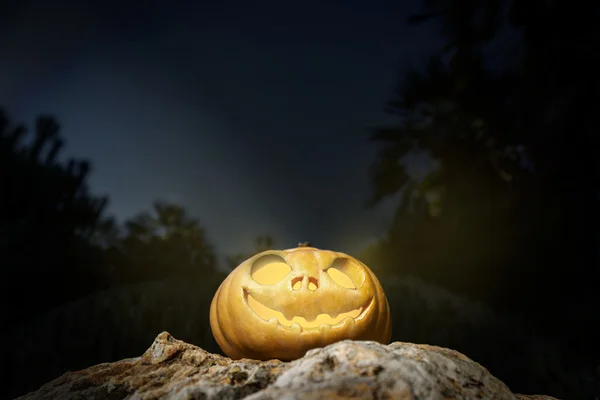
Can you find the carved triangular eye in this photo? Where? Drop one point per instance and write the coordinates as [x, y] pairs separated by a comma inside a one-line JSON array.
[[346, 273], [269, 269]]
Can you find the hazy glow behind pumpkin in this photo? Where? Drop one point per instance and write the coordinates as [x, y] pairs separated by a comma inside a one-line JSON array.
[[274, 272]]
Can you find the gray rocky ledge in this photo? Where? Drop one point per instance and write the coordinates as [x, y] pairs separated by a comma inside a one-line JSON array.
[[173, 369]]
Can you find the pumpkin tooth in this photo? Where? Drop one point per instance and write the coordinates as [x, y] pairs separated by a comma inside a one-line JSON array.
[[325, 329], [334, 315], [296, 328], [349, 324]]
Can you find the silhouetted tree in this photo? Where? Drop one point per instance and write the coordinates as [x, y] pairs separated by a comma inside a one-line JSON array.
[[164, 244], [510, 214], [47, 216]]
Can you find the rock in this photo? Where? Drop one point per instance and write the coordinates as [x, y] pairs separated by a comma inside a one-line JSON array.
[[173, 369]]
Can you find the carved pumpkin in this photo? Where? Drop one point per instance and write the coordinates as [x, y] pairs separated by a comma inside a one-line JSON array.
[[281, 303]]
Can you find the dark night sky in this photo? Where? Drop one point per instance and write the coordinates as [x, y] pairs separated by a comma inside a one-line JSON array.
[[253, 116]]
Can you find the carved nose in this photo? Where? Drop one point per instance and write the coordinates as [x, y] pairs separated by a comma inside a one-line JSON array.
[[305, 283]]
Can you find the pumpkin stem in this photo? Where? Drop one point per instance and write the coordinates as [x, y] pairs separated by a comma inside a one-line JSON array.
[[304, 244]]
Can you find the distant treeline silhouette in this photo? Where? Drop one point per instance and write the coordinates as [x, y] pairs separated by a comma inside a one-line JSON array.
[[56, 245]]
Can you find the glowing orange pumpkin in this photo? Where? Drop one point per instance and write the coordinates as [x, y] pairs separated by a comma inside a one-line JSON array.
[[279, 304]]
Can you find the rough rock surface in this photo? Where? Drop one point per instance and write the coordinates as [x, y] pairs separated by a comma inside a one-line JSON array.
[[172, 369]]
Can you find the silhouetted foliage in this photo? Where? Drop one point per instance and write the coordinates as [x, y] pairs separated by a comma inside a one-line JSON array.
[[164, 244], [47, 217], [510, 213], [55, 245]]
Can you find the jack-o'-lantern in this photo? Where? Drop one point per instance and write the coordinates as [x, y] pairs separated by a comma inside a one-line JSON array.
[[280, 303]]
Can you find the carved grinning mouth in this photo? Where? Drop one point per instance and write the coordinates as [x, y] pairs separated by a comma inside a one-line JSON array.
[[322, 320]]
